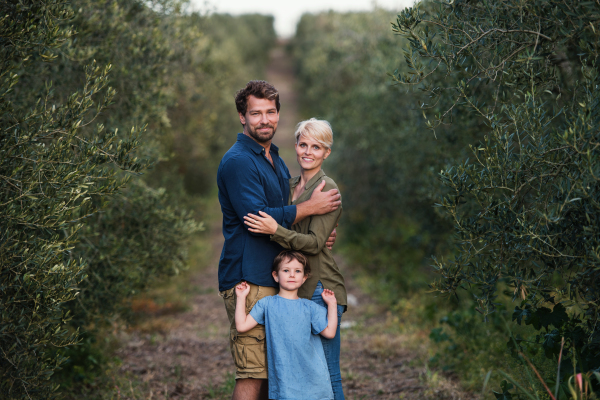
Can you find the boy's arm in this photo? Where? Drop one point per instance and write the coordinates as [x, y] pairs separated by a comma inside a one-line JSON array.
[[243, 321], [332, 317]]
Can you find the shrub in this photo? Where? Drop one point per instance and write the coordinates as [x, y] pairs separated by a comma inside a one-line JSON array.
[[52, 170], [525, 204], [74, 224]]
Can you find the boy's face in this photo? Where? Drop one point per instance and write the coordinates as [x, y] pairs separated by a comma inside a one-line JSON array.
[[290, 275]]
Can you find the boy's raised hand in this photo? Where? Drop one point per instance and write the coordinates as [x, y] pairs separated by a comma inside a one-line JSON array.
[[243, 321], [332, 317], [242, 289], [328, 297]]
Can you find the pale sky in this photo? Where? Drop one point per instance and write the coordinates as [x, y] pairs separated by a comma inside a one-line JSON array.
[[287, 13]]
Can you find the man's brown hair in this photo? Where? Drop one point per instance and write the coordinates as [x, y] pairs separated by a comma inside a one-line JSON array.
[[289, 255], [258, 89]]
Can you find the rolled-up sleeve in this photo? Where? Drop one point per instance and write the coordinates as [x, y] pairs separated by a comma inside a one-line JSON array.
[[247, 194]]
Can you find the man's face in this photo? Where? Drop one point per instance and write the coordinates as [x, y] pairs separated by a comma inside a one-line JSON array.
[[260, 120]]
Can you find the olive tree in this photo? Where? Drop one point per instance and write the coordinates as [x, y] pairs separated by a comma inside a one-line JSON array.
[[79, 236], [51, 173], [526, 204]]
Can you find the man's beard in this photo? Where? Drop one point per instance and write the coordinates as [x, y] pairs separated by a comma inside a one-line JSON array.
[[261, 137]]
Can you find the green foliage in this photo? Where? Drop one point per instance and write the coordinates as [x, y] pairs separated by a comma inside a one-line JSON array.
[[230, 52], [381, 165], [385, 161], [85, 361], [140, 236], [524, 205], [79, 236], [53, 175], [135, 242], [505, 394]]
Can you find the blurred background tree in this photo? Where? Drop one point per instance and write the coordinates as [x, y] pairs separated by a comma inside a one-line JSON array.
[[383, 168], [386, 163]]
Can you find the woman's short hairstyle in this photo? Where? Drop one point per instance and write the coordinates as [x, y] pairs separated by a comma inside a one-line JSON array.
[[258, 89], [315, 129], [289, 255]]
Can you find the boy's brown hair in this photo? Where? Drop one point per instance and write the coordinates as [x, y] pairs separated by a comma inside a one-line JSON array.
[[258, 89], [287, 256]]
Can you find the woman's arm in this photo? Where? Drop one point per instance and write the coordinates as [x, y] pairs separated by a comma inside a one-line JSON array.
[[319, 230], [314, 240]]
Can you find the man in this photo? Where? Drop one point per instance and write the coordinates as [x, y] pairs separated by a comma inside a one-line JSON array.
[[251, 178]]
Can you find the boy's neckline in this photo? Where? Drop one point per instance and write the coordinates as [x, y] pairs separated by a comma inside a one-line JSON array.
[[287, 298]]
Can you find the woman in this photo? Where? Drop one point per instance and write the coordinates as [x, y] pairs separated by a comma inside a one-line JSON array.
[[313, 145]]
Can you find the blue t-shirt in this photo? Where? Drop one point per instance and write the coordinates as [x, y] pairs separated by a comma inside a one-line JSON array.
[[297, 366]]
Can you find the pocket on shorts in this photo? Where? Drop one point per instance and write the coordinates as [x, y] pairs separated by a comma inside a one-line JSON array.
[[229, 301], [249, 351], [226, 294]]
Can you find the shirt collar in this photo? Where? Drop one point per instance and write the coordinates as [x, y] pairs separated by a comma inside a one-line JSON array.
[[296, 180], [255, 147]]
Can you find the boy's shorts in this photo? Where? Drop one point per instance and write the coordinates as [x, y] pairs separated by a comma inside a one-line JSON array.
[[248, 349]]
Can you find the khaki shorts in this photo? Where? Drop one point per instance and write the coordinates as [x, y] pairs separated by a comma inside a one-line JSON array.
[[248, 349]]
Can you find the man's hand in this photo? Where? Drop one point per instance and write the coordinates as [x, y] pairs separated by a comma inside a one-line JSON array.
[[331, 239], [324, 202], [242, 290], [319, 203]]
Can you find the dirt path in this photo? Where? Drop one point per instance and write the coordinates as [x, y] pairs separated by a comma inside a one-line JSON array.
[[185, 354]]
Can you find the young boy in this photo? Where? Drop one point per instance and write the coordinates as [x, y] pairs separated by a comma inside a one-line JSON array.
[[297, 368]]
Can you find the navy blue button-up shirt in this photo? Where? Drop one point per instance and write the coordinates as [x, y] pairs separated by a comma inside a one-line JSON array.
[[248, 183]]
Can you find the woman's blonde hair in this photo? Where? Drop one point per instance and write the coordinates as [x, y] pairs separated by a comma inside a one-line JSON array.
[[319, 130]]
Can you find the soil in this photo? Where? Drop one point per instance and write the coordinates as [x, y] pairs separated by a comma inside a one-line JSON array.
[[183, 354]]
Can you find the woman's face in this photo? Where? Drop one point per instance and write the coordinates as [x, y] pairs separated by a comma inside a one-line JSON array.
[[310, 153]]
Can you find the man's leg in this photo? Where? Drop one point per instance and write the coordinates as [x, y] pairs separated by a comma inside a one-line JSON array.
[[251, 389], [248, 349]]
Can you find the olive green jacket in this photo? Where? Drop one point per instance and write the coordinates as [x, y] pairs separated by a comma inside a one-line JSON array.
[[309, 237]]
